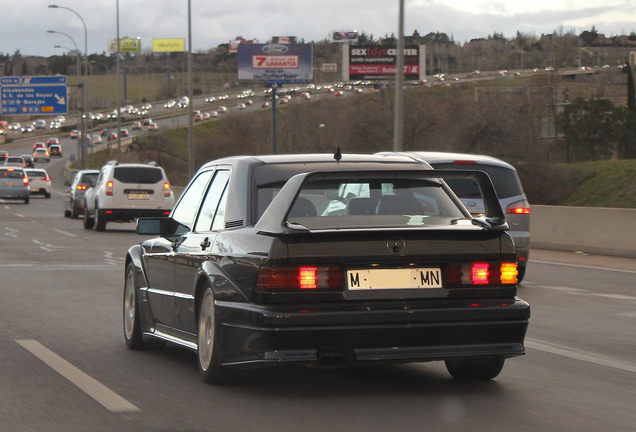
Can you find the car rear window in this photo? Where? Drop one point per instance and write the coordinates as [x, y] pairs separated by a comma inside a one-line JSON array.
[[11, 174], [36, 174], [89, 178], [505, 180], [330, 204], [143, 175]]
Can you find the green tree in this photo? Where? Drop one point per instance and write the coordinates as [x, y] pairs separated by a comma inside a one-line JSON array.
[[592, 129]]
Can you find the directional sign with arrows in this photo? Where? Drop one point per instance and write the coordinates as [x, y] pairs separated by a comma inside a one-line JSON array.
[[33, 95]]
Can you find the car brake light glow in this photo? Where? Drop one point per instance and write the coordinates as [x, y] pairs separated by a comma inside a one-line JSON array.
[[520, 207], [109, 188], [166, 189], [307, 277], [299, 278], [480, 273], [464, 162], [25, 180], [81, 187]]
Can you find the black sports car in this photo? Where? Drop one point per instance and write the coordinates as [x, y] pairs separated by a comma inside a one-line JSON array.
[[331, 262]]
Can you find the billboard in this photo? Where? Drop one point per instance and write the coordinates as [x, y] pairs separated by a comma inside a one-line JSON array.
[[375, 62], [168, 45], [233, 45], [275, 63], [126, 44], [345, 36]]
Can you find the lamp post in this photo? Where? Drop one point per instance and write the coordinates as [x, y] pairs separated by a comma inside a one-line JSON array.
[[84, 155]]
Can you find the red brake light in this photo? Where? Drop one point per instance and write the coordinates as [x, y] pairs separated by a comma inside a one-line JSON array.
[[519, 207], [81, 187], [464, 162], [166, 189], [480, 273], [47, 178], [109, 188], [299, 278], [25, 180]]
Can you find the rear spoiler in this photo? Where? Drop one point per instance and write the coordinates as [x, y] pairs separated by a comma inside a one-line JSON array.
[[273, 220]]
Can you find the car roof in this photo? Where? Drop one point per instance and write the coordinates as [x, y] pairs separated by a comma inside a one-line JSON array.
[[449, 157], [310, 159], [35, 170]]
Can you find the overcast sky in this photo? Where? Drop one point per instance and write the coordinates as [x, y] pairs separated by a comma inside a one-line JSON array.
[[25, 23]]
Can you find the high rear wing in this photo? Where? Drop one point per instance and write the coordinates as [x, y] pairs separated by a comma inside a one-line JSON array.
[[275, 218]]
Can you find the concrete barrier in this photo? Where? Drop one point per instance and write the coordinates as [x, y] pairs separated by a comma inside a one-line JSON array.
[[602, 231]]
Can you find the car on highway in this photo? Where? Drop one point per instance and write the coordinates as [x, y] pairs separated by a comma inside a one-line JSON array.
[[74, 198], [14, 183], [3, 156], [15, 161], [136, 126], [327, 261], [55, 150], [39, 182], [124, 133], [38, 145], [28, 159], [52, 140], [75, 133], [124, 192], [506, 181], [41, 154], [152, 126]]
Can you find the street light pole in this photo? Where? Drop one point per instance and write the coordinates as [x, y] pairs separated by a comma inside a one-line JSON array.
[[84, 156], [398, 121]]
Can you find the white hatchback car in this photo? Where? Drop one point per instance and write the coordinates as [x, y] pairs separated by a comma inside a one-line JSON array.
[[125, 192], [39, 182]]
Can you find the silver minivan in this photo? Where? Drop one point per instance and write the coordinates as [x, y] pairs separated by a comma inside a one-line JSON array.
[[504, 177]]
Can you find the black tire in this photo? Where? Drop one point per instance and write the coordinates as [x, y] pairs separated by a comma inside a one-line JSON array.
[[47, 195], [100, 220], [207, 344], [27, 199], [132, 327], [89, 221], [67, 213], [475, 368], [75, 214]]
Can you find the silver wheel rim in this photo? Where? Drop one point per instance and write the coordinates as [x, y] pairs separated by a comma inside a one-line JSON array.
[[129, 305], [206, 330]]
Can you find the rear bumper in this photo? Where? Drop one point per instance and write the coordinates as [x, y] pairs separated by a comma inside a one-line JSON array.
[[129, 215], [254, 335], [15, 194]]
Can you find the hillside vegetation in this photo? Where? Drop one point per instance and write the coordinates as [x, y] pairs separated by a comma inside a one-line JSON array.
[[437, 119]]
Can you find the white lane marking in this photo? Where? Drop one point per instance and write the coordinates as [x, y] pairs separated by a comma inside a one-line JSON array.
[[65, 233], [48, 247], [584, 266], [102, 394], [581, 355]]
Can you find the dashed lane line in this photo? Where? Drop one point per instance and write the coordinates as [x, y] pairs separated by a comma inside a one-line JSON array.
[[99, 392]]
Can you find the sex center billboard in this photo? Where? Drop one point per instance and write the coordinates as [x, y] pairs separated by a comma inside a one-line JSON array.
[[275, 63], [379, 62]]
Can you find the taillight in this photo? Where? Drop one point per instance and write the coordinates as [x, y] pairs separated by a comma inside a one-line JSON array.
[[519, 207], [81, 187], [25, 180], [47, 178], [299, 278], [480, 274], [166, 189], [109, 188]]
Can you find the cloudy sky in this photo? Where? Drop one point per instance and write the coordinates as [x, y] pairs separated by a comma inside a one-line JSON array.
[[25, 22]]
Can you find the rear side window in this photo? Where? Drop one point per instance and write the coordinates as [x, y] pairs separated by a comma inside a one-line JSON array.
[[36, 174], [141, 175], [11, 174], [505, 180]]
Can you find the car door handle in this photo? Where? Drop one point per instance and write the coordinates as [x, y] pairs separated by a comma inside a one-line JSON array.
[[205, 243]]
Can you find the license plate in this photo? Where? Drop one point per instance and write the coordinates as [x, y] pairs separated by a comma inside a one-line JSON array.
[[34, 189], [394, 278], [138, 196]]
